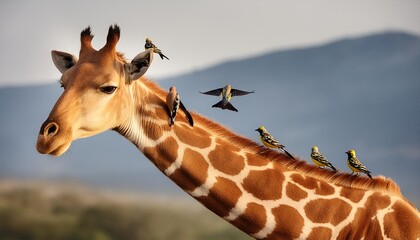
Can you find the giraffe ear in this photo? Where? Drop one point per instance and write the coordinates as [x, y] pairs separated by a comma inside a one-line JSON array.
[[139, 65], [63, 61]]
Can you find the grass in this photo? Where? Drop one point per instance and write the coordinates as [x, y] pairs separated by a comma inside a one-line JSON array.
[[45, 211]]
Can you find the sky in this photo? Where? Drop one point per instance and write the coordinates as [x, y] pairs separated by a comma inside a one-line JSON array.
[[193, 34]]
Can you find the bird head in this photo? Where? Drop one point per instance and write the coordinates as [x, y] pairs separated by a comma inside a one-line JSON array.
[[261, 129], [172, 88], [148, 40], [351, 153], [315, 149]]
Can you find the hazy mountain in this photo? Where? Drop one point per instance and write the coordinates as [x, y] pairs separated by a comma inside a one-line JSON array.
[[360, 93]]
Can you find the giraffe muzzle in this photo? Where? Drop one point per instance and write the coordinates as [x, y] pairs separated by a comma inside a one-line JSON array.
[[49, 139]]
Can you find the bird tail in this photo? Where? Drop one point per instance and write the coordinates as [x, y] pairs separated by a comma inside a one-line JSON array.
[[162, 56], [225, 105], [368, 173], [230, 107], [218, 105], [171, 121], [288, 154], [187, 114], [189, 118], [332, 167]]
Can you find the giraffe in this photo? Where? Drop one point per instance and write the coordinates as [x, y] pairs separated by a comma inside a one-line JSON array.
[[264, 193]]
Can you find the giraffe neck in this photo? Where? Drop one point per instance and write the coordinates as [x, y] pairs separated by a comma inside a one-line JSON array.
[[260, 193]]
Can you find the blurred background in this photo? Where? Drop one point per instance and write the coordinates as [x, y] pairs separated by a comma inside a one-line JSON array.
[[332, 74]]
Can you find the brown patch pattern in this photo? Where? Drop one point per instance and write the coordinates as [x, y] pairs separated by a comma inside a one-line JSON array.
[[218, 201], [354, 195], [365, 222], [252, 220], [331, 211], [289, 223], [320, 187], [264, 185], [320, 233], [193, 171], [164, 154], [224, 159], [295, 193], [196, 137], [162, 112], [403, 223], [255, 160], [366, 229], [151, 130]]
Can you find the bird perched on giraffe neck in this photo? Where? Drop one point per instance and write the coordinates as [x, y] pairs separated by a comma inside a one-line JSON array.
[[319, 159], [355, 165], [174, 103], [269, 141]]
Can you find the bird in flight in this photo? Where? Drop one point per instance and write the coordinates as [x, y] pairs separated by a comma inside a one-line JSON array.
[[226, 93]]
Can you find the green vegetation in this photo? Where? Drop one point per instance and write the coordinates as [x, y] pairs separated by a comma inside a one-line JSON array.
[[41, 212]]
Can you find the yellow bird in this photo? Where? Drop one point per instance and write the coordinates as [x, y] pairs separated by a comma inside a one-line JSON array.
[[355, 165], [149, 44], [319, 159], [269, 141]]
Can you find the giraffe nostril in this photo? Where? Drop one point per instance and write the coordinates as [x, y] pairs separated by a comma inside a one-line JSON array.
[[49, 129], [52, 129]]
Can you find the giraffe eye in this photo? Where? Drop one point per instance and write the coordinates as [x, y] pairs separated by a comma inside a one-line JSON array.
[[107, 89]]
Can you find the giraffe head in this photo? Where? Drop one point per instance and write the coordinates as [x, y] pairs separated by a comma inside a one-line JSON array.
[[96, 94]]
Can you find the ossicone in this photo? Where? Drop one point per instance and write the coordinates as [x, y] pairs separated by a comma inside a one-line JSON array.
[[86, 39], [112, 38]]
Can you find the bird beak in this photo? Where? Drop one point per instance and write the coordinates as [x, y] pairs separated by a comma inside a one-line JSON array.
[[256, 129]]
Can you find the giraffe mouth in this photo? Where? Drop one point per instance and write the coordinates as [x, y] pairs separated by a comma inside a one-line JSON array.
[[54, 147], [60, 150]]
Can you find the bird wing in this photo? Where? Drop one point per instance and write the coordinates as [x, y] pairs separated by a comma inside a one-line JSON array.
[[236, 92], [215, 92], [354, 162], [322, 159], [270, 139], [187, 114]]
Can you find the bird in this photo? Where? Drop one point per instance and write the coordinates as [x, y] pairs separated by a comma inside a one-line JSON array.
[[355, 165], [173, 102], [226, 93], [149, 44], [269, 141], [320, 160]]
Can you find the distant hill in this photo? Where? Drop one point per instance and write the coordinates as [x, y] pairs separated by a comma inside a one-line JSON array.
[[71, 211], [360, 93]]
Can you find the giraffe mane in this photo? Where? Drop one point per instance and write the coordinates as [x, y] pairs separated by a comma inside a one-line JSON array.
[[379, 183], [121, 57]]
